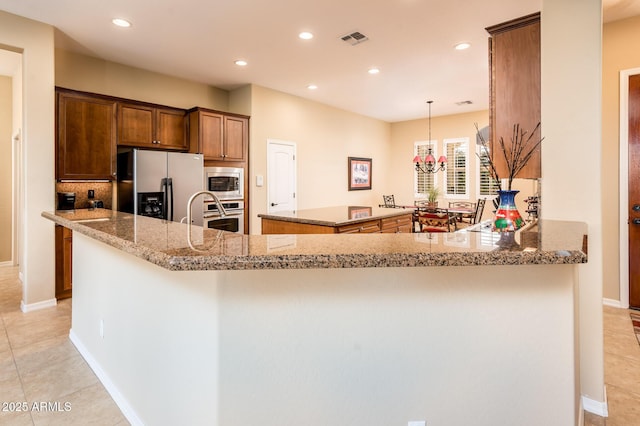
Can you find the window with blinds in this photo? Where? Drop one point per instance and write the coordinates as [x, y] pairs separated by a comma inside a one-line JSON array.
[[486, 184], [457, 152], [423, 181]]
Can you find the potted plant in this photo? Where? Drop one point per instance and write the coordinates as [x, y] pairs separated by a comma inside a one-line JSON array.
[[432, 197]]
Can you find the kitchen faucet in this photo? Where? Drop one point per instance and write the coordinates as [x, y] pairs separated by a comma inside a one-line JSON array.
[[221, 209]]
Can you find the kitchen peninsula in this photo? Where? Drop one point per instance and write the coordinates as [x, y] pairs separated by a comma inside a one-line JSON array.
[[376, 329]]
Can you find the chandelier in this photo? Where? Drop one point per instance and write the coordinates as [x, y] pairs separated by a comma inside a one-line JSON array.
[[429, 165]]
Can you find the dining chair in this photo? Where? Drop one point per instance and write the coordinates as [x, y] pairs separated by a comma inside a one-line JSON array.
[[464, 205], [436, 221], [477, 218], [389, 201]]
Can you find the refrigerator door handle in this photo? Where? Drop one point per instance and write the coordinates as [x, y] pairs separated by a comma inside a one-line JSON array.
[[170, 191], [164, 189]]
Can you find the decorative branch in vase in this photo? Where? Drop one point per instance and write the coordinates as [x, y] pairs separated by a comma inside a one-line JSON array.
[[516, 156]]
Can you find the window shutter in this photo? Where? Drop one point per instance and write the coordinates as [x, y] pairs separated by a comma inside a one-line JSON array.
[[488, 185], [423, 181], [457, 151]]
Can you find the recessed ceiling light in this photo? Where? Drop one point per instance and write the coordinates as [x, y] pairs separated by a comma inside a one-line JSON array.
[[312, 87], [121, 22], [373, 70], [305, 35], [241, 63], [462, 46]]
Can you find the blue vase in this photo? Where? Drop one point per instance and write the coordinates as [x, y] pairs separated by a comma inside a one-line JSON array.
[[507, 218]]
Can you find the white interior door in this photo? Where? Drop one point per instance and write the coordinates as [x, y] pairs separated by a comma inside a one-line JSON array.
[[281, 176]]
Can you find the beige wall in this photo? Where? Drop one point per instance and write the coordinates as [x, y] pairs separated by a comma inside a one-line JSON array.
[[80, 72], [620, 41], [571, 66], [6, 154], [467, 345], [325, 137], [35, 41]]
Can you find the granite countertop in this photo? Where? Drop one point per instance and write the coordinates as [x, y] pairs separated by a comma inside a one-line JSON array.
[[165, 244], [336, 216]]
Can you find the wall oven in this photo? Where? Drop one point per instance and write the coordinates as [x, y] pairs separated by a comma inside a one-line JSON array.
[[226, 182], [232, 222]]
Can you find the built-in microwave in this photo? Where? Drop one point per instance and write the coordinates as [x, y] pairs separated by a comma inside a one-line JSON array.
[[226, 182]]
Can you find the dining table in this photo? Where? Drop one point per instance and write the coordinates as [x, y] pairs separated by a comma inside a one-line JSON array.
[[455, 213]]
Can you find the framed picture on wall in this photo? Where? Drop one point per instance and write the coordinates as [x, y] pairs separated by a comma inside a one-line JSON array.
[[359, 173]]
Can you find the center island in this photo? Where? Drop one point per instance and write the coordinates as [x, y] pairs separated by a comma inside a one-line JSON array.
[[338, 220], [377, 329]]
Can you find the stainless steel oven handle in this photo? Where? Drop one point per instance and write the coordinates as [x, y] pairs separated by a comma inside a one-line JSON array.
[[216, 215]]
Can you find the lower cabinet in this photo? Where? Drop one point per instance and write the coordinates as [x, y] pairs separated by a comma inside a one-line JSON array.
[[64, 243], [368, 227], [398, 224], [395, 224]]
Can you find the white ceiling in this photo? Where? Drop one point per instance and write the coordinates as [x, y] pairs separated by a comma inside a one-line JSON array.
[[411, 41]]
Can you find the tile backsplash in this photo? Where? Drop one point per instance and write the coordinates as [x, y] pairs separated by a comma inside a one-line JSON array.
[[103, 192]]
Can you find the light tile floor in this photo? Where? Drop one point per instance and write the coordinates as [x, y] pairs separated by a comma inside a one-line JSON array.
[[39, 364], [621, 368], [43, 378]]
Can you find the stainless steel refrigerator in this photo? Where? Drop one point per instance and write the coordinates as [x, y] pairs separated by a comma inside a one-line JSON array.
[[159, 183]]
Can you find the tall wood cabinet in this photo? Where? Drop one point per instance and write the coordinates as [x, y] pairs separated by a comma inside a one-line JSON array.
[[85, 137], [64, 244], [145, 126], [219, 136], [514, 63], [223, 139]]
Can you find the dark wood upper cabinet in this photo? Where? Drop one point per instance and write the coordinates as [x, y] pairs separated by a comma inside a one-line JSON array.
[[151, 127], [514, 64], [219, 136], [85, 137]]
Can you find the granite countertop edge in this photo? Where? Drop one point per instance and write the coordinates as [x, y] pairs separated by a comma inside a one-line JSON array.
[[323, 259]]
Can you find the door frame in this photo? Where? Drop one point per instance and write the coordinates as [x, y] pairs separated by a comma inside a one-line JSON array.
[[624, 184], [295, 168]]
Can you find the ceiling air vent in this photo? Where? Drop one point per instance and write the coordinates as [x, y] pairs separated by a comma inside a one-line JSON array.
[[464, 103], [354, 38]]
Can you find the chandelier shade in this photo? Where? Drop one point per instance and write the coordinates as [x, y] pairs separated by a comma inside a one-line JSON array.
[[429, 165]]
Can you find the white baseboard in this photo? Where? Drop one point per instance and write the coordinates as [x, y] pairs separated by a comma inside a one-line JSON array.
[[596, 407], [611, 302], [38, 305], [111, 388]]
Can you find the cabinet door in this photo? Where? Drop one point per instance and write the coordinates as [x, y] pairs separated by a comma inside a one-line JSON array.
[[235, 138], [171, 129], [135, 125], [86, 137], [210, 134], [515, 88], [64, 246]]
